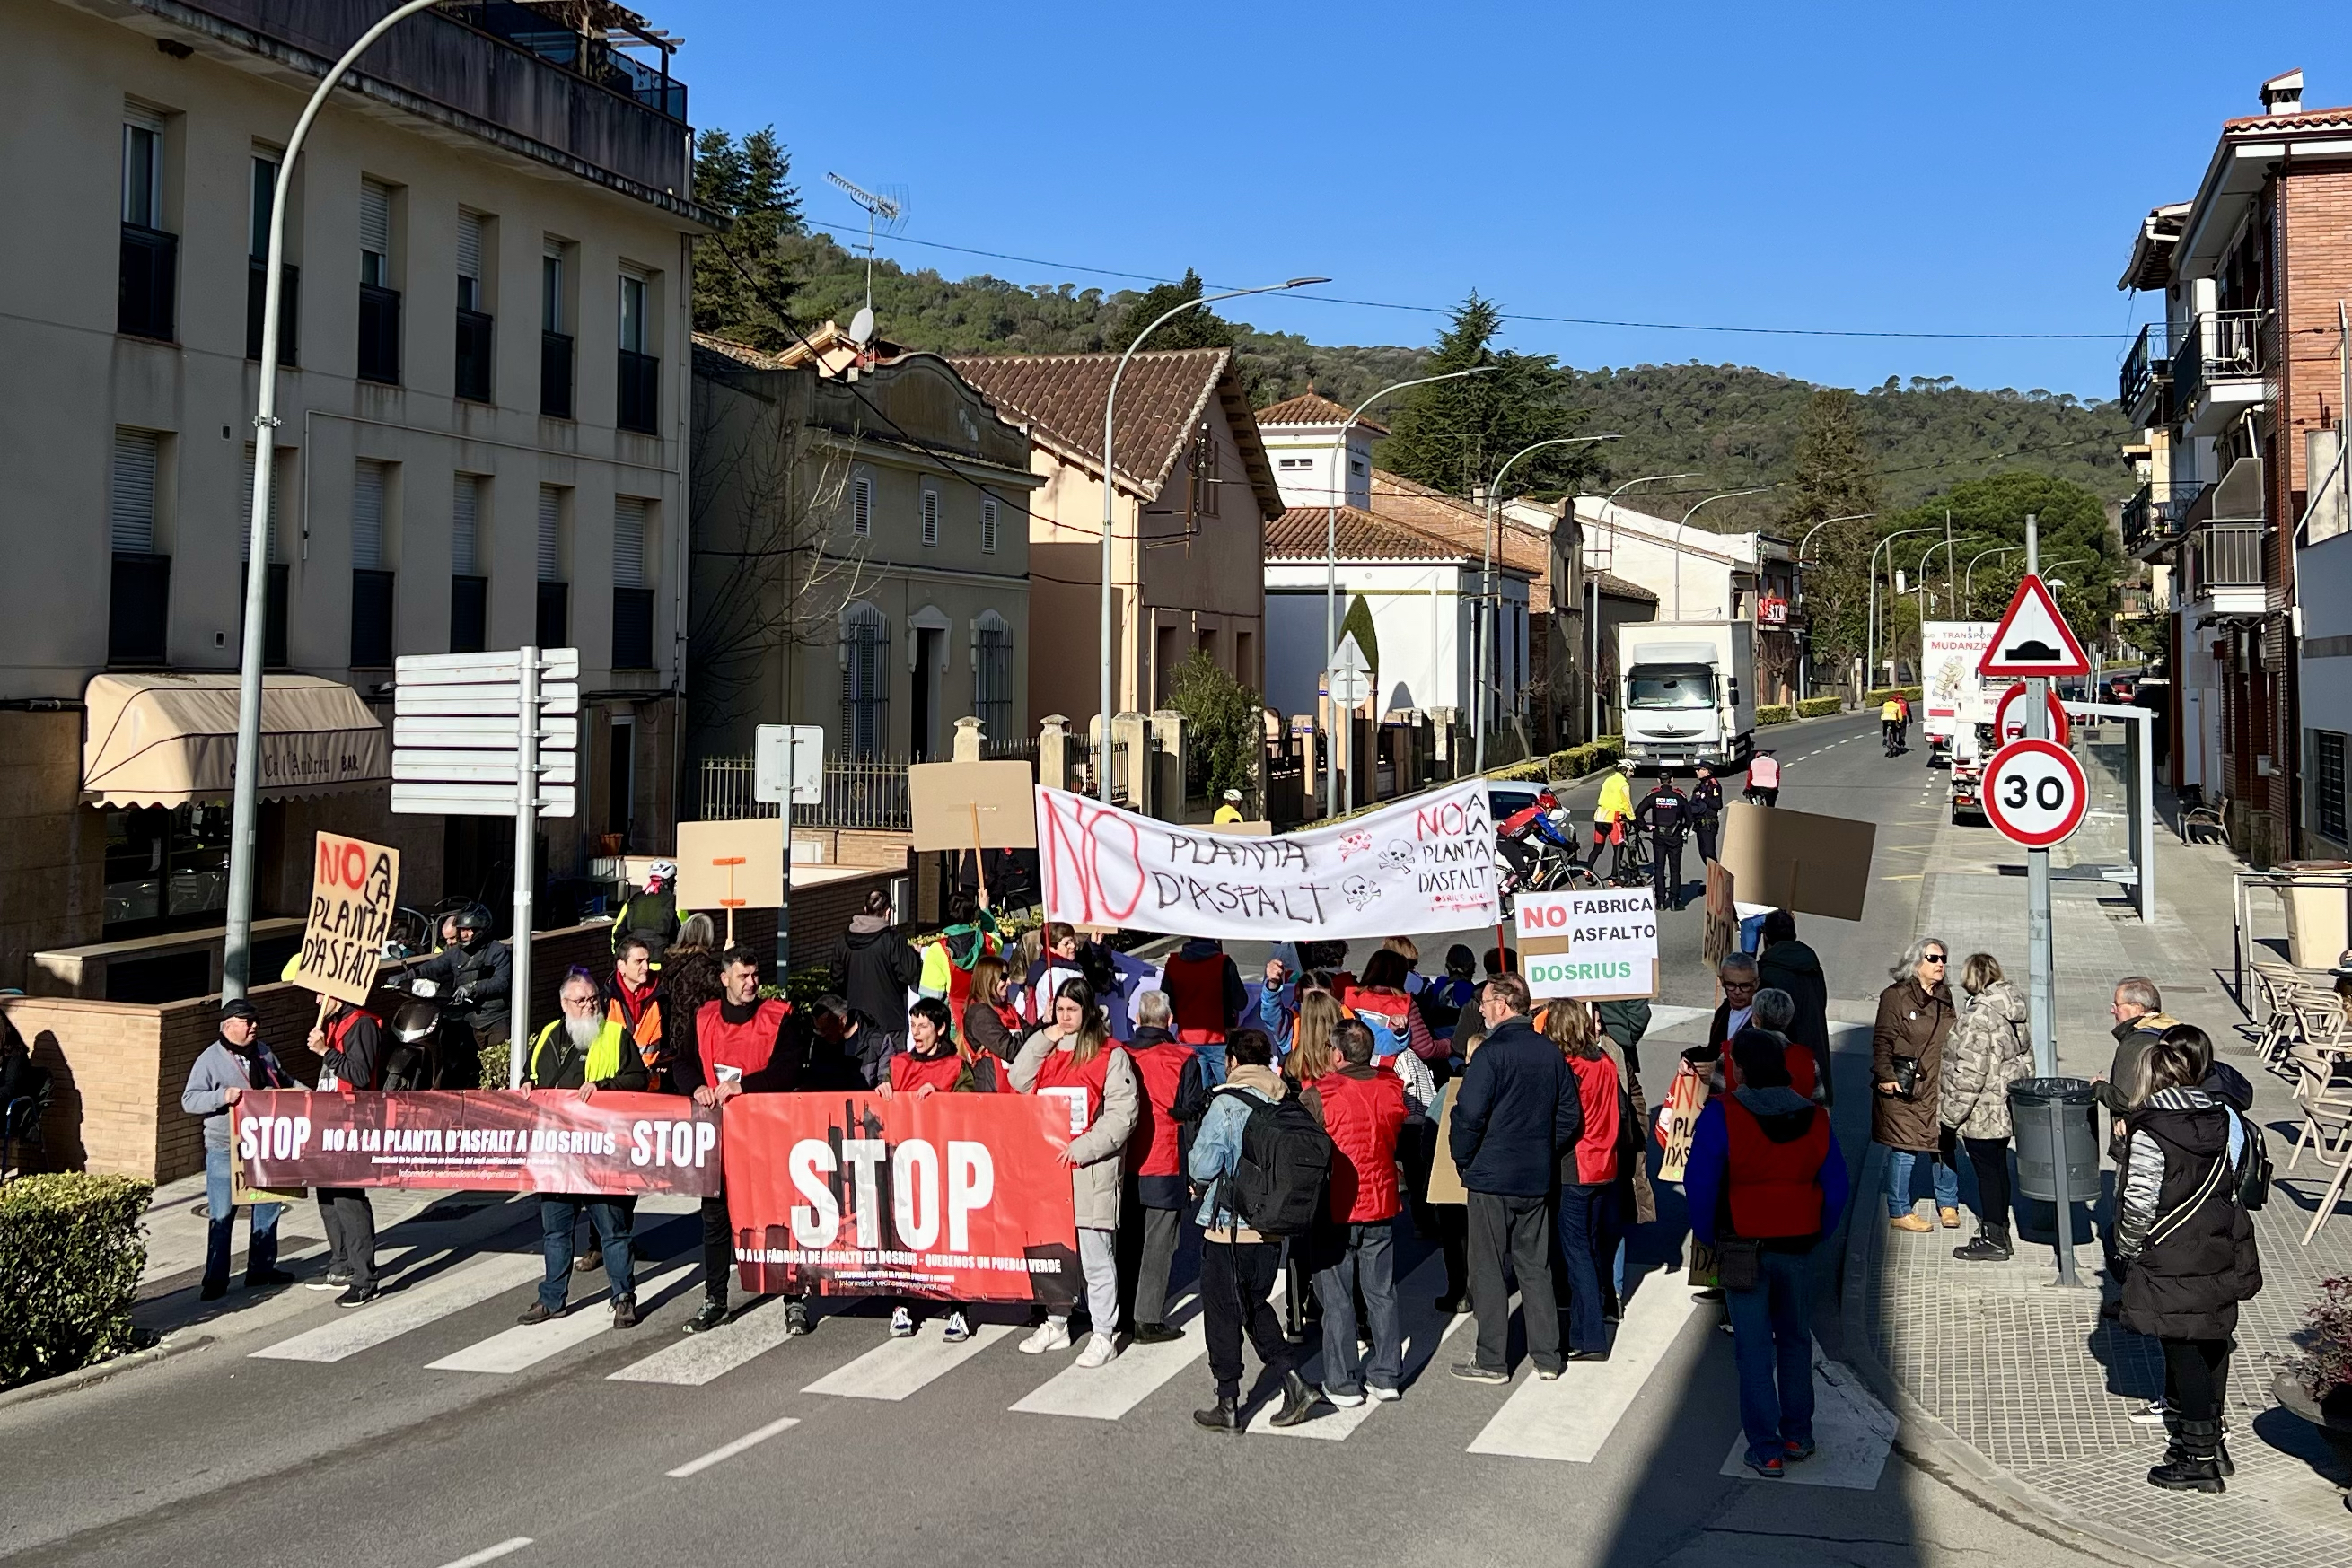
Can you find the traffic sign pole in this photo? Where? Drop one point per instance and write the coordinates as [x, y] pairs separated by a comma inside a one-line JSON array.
[[526, 824], [2041, 949]]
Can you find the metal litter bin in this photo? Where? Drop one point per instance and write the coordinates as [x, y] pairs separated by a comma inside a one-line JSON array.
[[2056, 1118]]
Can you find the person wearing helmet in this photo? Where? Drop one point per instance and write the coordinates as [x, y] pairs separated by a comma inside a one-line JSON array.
[[1230, 812], [476, 976], [650, 914], [1612, 813]]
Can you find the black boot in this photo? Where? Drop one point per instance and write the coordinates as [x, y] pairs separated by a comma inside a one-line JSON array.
[[2176, 1451], [2198, 1467], [1298, 1401], [1990, 1246], [1224, 1416]]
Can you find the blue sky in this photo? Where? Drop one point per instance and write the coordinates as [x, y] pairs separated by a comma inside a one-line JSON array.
[[1892, 166]]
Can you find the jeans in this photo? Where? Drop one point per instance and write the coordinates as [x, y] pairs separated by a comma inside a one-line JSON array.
[[1236, 1280], [1899, 1164], [261, 1252], [718, 1249], [557, 1217], [1588, 1236], [350, 1220], [1098, 1261], [1510, 1230], [1366, 1257], [1772, 1342]]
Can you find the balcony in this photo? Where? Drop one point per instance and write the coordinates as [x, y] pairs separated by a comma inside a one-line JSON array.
[[474, 338], [632, 628], [2153, 520], [289, 310], [2147, 375], [555, 375], [2218, 367], [639, 402], [138, 608], [379, 334], [2230, 556], [149, 284]]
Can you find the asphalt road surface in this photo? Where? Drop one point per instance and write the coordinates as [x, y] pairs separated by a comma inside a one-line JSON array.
[[425, 1430]]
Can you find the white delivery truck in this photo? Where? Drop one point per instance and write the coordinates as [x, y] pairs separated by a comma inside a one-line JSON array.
[[1687, 689], [1952, 697]]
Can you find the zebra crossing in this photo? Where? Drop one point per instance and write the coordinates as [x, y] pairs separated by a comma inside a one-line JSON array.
[[1567, 1420]]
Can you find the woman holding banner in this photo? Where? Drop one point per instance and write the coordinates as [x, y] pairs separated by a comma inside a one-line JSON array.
[[1075, 1059]]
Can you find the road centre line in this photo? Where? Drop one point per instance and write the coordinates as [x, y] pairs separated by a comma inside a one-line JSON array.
[[490, 1553], [726, 1451]]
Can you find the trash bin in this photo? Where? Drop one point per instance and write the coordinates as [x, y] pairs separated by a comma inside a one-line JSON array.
[[2054, 1118], [2318, 914]]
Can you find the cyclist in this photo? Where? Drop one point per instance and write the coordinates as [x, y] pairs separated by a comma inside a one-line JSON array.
[[651, 913], [1533, 820], [1890, 716], [1763, 779], [1611, 814]]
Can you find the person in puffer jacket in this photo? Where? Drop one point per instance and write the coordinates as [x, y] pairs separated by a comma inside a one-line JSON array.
[[1989, 1050], [948, 959]]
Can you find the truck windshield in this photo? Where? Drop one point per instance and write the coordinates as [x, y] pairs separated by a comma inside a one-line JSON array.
[[1670, 686]]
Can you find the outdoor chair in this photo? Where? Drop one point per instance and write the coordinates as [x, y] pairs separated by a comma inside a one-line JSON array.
[[2274, 984], [2316, 1061], [2200, 817], [2342, 1165]]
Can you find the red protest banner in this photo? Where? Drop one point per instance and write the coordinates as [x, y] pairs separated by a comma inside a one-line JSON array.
[[494, 1141], [950, 1197]]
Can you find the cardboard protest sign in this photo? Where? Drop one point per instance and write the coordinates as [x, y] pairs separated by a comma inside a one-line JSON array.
[[1444, 1176], [1601, 946], [731, 865], [972, 805], [1246, 829], [1798, 861], [950, 1197], [353, 887], [1719, 935], [1685, 1098], [1423, 864]]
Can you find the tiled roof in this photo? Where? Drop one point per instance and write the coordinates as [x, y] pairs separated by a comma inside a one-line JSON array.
[[742, 354], [1616, 587], [1453, 521], [1313, 408], [1298, 535], [2302, 119], [1161, 398]]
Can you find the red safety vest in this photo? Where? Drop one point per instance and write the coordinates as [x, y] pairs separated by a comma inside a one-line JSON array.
[[747, 1047], [1196, 993], [1078, 1084], [339, 1030], [1155, 1150], [1362, 1116], [1775, 1188], [645, 1025], [909, 1072], [1596, 1149]]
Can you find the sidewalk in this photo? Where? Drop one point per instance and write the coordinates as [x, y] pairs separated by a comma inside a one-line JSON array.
[[2018, 1386]]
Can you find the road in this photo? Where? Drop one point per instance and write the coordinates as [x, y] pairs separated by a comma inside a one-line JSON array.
[[425, 1431]]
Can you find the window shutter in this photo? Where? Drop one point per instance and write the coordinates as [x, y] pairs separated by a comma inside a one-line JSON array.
[[861, 506], [987, 527], [245, 513], [132, 508], [931, 517], [465, 525], [469, 244], [551, 524], [367, 517], [628, 542], [375, 220]]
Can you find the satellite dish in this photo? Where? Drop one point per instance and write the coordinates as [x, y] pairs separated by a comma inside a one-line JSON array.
[[861, 326]]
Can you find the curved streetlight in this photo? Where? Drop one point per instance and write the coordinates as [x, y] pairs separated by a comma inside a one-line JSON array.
[[1110, 404], [1805, 664], [1870, 636], [1593, 695], [1969, 577], [1943, 544], [1726, 495], [1487, 616], [245, 811], [1331, 561]]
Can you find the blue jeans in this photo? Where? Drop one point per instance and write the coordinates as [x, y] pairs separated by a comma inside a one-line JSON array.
[[1367, 1258], [262, 1254], [1213, 1060], [1772, 1342], [1587, 1235], [558, 1217], [1899, 1164]]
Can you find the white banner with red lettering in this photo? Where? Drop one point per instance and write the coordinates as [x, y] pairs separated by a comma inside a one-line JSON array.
[[1422, 865]]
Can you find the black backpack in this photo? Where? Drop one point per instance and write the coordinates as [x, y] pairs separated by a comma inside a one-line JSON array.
[[1284, 1161]]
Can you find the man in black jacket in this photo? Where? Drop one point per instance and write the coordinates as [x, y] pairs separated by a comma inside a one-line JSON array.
[[1706, 810], [350, 1046], [1788, 965], [475, 977], [1516, 1108], [1665, 815], [574, 1052], [873, 969]]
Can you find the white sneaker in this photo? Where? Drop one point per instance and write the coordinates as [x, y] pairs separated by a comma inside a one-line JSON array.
[[902, 1323], [1387, 1395], [1045, 1337], [2151, 1414], [1344, 1401], [1101, 1351], [959, 1328]]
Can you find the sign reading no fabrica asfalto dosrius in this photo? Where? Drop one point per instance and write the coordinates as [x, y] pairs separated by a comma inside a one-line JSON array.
[[1599, 946]]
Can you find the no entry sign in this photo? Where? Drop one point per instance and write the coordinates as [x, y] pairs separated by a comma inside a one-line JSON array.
[[2008, 719], [2035, 793]]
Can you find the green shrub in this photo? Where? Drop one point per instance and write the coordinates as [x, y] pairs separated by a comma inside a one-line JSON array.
[[1819, 707], [71, 1249], [1527, 772], [1774, 713], [496, 1063], [1578, 762], [1879, 693]]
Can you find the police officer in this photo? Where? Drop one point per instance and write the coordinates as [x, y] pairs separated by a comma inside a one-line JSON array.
[[1665, 814], [1706, 810]]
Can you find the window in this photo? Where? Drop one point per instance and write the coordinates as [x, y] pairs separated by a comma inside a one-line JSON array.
[[474, 335], [554, 335], [861, 506], [469, 261], [2327, 784], [256, 248], [633, 601], [554, 614], [372, 584], [1292, 463], [376, 234], [633, 312], [931, 517], [470, 587], [639, 402], [379, 301], [139, 595], [988, 525], [621, 778], [1163, 664], [991, 676], [1356, 466], [165, 865], [148, 283], [143, 168], [865, 677]]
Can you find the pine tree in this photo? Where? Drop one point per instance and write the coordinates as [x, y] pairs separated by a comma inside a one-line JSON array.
[[1197, 329], [1833, 480], [742, 287], [1454, 435]]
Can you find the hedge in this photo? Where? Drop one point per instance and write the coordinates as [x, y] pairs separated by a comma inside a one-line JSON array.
[[71, 1250], [1879, 695], [1577, 761], [1819, 707], [1773, 713]]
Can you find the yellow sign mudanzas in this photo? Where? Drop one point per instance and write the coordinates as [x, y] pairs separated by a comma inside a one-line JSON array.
[[352, 892]]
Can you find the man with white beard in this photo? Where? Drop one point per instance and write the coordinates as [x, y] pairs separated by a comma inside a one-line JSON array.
[[583, 1050]]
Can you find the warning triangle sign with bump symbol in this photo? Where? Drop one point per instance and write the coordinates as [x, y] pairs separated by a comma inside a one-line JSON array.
[[2033, 639]]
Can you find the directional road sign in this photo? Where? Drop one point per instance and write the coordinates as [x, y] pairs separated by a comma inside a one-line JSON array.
[[2009, 717], [457, 739], [2034, 638], [789, 759], [2035, 793]]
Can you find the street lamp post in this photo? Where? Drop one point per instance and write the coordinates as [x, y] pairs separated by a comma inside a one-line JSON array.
[[1480, 687], [1592, 695], [1726, 495], [1331, 561], [1110, 404], [1944, 544], [1870, 636], [245, 811], [1969, 577], [1804, 670]]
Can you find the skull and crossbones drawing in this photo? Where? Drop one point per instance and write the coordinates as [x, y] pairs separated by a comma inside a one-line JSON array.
[[1360, 892], [1397, 856]]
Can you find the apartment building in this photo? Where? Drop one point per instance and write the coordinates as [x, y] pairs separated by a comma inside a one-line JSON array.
[[2239, 396], [482, 439]]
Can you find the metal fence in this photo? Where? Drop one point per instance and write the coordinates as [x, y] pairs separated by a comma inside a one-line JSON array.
[[862, 792]]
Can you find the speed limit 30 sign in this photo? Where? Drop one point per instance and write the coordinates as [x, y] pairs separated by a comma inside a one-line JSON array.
[[2035, 793]]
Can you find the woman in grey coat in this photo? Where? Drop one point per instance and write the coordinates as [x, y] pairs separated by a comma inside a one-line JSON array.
[[1075, 1059], [1989, 1050]]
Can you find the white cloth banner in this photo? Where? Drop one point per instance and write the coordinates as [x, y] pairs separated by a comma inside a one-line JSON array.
[[1423, 864]]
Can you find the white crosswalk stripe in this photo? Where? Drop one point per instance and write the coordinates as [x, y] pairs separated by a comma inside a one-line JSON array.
[[1851, 1433], [707, 1357], [397, 1311], [1571, 1417], [1108, 1393], [899, 1367], [1425, 1334], [526, 1345]]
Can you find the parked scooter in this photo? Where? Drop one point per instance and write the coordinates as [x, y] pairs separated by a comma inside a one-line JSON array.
[[431, 1049]]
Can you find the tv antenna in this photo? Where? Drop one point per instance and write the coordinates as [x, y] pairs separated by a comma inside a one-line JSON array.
[[888, 209]]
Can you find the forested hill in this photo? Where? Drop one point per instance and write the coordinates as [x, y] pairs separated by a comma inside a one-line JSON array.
[[1732, 424]]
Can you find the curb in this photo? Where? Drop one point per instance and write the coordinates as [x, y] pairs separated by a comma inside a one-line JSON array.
[[1926, 1442], [99, 1372]]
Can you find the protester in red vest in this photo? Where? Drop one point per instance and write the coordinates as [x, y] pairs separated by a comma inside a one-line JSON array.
[[1766, 1182], [350, 1044], [1362, 1108], [1205, 991], [739, 1048], [1151, 1213], [1588, 1222], [991, 1025], [931, 1064], [1774, 1011], [1074, 1059]]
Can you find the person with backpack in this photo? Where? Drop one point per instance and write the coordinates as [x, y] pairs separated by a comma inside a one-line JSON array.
[[1517, 1107], [1362, 1110], [350, 1046], [1151, 1213], [1255, 1159], [1075, 1060]]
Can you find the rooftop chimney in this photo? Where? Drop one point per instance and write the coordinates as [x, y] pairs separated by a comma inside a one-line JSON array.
[[2283, 94]]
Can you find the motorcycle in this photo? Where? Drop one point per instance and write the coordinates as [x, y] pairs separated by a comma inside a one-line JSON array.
[[432, 1049]]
